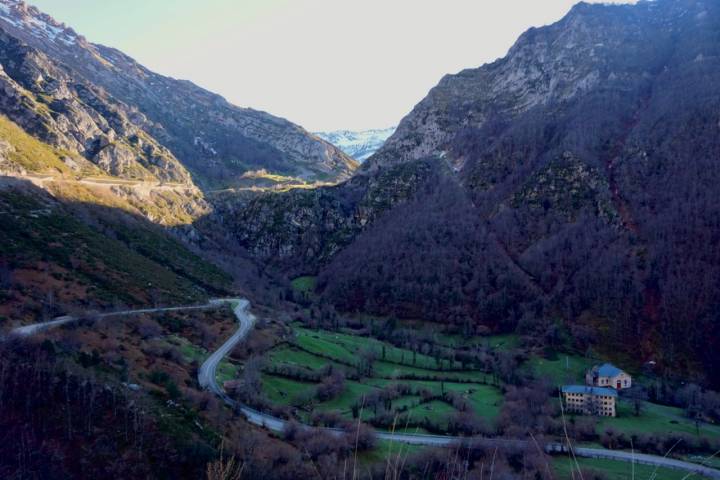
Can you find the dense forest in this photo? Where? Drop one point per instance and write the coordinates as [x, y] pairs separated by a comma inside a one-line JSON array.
[[574, 182]]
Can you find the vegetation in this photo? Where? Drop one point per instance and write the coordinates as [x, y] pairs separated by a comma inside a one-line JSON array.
[[656, 418], [28, 152], [305, 285], [56, 262], [561, 368], [321, 373], [594, 208], [567, 469], [581, 212]]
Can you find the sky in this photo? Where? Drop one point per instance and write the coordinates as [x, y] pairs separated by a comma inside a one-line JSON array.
[[324, 64]]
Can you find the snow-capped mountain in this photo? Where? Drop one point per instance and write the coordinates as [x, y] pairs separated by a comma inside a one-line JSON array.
[[359, 145], [38, 24]]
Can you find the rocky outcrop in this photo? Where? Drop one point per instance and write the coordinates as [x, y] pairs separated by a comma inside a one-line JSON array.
[[47, 101], [303, 229], [593, 47], [215, 140]]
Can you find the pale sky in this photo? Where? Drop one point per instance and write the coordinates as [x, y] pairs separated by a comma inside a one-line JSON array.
[[324, 64]]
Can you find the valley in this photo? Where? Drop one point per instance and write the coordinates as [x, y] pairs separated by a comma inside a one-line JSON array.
[[519, 281], [214, 368]]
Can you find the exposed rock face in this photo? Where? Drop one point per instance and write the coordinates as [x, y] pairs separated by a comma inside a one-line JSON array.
[[580, 183], [98, 96], [7, 166], [305, 228], [594, 48], [44, 98]]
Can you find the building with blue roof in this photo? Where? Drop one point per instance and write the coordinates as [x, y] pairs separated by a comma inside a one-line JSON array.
[[589, 400], [608, 375], [589, 390]]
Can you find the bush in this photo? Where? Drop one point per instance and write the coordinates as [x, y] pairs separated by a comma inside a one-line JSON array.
[[361, 436], [158, 378], [172, 389]]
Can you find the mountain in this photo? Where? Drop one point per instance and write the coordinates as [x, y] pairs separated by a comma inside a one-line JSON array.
[[568, 187], [135, 123], [100, 200], [359, 145]]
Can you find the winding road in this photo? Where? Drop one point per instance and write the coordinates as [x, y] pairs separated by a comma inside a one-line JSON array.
[[35, 328], [207, 378]]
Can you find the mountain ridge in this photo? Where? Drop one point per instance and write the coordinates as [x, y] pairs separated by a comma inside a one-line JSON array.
[[230, 142]]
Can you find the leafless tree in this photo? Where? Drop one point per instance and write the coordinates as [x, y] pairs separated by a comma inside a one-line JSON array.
[[6, 276]]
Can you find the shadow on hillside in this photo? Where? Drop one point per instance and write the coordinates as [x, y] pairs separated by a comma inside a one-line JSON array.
[[60, 254]]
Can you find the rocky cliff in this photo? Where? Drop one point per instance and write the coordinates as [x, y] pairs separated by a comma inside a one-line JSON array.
[[112, 109], [45, 99]]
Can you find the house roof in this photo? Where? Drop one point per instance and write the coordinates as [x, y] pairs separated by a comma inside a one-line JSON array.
[[607, 392], [608, 370]]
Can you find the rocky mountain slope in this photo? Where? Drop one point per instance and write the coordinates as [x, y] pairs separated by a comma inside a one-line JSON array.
[[98, 209], [97, 242], [360, 145], [135, 123], [572, 189]]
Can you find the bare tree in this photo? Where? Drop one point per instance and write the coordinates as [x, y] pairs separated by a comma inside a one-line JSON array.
[[224, 468], [637, 395], [6, 276]]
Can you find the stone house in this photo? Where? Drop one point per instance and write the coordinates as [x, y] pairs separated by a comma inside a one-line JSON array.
[[609, 376], [589, 400]]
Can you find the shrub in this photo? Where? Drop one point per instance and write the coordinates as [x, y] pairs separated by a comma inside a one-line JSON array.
[[158, 378]]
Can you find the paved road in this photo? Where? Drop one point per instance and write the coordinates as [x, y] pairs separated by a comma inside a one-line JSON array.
[[40, 179], [29, 330], [241, 307]]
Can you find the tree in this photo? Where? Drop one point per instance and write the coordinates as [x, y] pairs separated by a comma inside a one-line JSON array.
[[637, 395], [224, 468], [366, 362], [6, 276], [360, 436], [331, 386], [251, 379]]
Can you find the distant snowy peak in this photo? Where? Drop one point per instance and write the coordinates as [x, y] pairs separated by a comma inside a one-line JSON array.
[[359, 145], [40, 25]]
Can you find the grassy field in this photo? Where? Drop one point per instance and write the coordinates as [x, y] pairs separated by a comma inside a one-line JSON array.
[[486, 399], [655, 419], [344, 402], [304, 284], [393, 370], [393, 453], [296, 357], [565, 469], [283, 391], [564, 369], [345, 349], [436, 411], [501, 342], [313, 350], [29, 152]]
